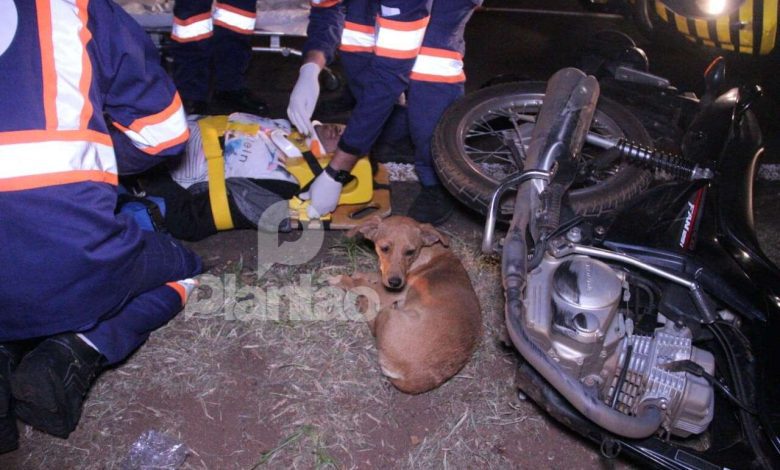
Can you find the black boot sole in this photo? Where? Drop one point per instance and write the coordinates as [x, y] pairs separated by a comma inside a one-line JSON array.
[[9, 434], [39, 401]]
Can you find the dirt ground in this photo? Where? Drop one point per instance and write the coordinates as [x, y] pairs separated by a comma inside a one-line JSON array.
[[305, 393], [245, 390]]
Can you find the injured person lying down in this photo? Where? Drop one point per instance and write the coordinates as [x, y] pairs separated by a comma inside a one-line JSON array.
[[233, 170]]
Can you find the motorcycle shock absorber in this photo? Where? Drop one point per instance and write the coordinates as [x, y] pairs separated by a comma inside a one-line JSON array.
[[658, 160]]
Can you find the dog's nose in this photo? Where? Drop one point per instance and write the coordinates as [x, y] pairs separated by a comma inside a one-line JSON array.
[[395, 282]]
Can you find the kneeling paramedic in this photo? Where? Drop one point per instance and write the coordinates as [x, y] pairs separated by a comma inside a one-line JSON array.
[[80, 288]]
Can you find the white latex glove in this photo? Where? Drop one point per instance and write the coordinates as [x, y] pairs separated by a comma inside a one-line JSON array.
[[324, 193], [304, 98]]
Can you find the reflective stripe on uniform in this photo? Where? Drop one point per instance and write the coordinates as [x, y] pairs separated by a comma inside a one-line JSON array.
[[357, 37], [438, 65], [193, 28], [34, 159], [400, 39], [155, 133], [324, 3], [67, 71], [234, 19]]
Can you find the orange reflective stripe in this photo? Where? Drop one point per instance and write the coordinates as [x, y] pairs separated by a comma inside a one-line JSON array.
[[324, 3], [357, 37], [157, 132], [363, 28], [441, 53], [193, 28], [395, 54], [192, 38], [424, 77], [192, 19], [238, 11], [438, 65], [234, 19], [403, 25], [399, 39], [32, 136], [233, 28], [348, 48], [49, 75], [54, 179], [166, 113], [86, 65], [168, 143], [179, 290]]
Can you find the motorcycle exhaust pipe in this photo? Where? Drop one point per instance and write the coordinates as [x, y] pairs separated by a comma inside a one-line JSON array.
[[559, 134]]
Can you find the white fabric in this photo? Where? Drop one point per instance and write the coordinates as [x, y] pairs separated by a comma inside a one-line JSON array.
[[246, 155], [237, 20], [41, 158], [304, 97], [193, 30], [192, 167], [350, 37], [9, 20], [153, 135], [289, 17], [68, 60], [398, 40], [324, 194], [441, 66]]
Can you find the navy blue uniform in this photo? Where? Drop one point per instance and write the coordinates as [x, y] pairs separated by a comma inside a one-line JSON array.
[[205, 34], [412, 46], [67, 263]]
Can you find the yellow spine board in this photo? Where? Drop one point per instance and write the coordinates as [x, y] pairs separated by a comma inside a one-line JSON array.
[[211, 128]]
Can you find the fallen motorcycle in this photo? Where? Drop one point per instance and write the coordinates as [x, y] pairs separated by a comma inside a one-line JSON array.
[[647, 318]]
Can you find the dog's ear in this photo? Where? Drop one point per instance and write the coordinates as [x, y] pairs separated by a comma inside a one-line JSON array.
[[430, 235], [367, 229]]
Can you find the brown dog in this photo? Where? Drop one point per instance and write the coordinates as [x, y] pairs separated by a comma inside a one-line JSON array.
[[428, 321]]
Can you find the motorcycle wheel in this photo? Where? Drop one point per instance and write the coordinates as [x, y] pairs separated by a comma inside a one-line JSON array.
[[472, 149]]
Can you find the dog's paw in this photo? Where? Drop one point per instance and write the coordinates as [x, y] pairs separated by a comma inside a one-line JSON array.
[[342, 281]]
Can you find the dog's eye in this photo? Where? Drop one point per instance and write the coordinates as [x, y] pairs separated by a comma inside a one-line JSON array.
[[409, 252], [384, 249]]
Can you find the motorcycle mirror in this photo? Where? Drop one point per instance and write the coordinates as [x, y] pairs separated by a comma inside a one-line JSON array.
[[714, 78]]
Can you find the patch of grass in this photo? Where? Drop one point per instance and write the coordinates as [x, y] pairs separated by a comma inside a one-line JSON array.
[[304, 434]]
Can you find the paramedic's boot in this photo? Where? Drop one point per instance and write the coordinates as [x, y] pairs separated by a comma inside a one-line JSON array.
[[432, 206], [240, 101], [51, 382], [10, 355]]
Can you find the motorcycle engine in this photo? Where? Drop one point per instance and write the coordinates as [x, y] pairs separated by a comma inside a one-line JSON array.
[[573, 312]]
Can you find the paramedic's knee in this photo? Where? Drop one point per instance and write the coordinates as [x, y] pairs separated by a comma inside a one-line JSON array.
[[163, 260]]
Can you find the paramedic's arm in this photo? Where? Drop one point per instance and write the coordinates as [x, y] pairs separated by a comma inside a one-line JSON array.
[[141, 101], [401, 27], [326, 20]]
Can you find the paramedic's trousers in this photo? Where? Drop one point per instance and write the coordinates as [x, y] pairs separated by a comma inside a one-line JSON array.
[[428, 94], [221, 42], [153, 301]]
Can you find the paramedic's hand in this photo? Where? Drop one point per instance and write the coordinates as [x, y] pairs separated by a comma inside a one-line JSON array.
[[324, 194], [304, 98]]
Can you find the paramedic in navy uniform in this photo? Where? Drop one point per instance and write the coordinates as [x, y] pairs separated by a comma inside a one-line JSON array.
[[387, 48], [80, 288]]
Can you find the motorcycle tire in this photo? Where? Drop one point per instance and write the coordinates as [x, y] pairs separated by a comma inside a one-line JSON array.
[[472, 183]]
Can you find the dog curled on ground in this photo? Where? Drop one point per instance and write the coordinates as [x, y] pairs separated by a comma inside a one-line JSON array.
[[428, 321]]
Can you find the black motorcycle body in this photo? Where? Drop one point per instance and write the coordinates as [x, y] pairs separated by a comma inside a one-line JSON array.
[[686, 255]]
